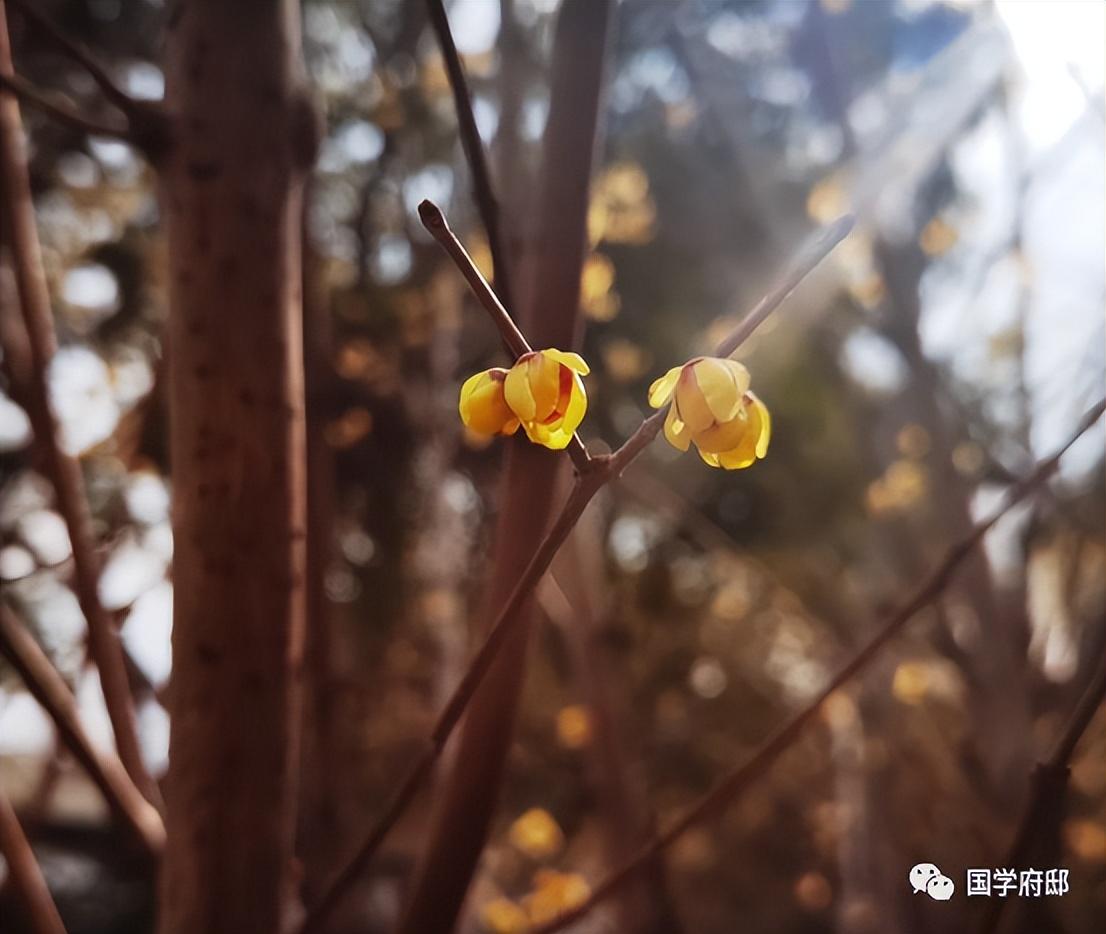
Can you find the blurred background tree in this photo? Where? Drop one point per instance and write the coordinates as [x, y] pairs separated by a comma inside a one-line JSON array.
[[953, 339]]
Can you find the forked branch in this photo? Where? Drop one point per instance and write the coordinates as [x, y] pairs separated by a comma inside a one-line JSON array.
[[597, 472], [62, 468], [48, 687], [1048, 789], [56, 106], [739, 780], [146, 123], [79, 54]]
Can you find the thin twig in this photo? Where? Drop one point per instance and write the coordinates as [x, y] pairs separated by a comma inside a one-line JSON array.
[[81, 56], [600, 470], [435, 222], [64, 471], [1048, 789], [486, 201], [59, 108], [731, 786], [25, 873], [48, 687]]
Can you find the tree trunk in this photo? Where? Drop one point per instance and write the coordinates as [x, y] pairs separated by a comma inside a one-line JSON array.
[[552, 320], [244, 137]]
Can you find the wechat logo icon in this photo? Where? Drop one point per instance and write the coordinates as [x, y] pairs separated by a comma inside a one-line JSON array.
[[926, 877]]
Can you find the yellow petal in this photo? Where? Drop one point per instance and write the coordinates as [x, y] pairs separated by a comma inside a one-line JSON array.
[[516, 389], [764, 435], [693, 404], [718, 383], [725, 436], [573, 361], [739, 372], [482, 405], [676, 430], [738, 458], [753, 442], [661, 390], [711, 460], [544, 375], [577, 406], [555, 439]]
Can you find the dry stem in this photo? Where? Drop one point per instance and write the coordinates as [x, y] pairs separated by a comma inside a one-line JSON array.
[[106, 771], [25, 873], [63, 469], [731, 786], [595, 473], [486, 201]]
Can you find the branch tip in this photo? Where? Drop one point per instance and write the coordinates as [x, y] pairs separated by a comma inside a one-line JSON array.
[[431, 216]]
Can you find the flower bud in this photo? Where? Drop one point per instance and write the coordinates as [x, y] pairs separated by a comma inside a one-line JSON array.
[[483, 405]]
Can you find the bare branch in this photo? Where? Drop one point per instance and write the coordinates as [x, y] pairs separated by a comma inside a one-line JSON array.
[[1048, 790], [63, 469], [600, 471], [486, 201], [81, 56], [59, 108], [435, 222], [739, 780], [25, 873], [809, 256], [106, 771]]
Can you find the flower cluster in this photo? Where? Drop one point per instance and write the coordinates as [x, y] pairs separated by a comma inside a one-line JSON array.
[[709, 404], [543, 392]]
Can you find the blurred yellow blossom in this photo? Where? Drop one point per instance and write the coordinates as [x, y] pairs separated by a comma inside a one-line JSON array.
[[481, 255], [621, 209], [912, 441], [1086, 839], [813, 891], [503, 916], [902, 486], [574, 726], [711, 405], [868, 291], [625, 360], [349, 428], [827, 200], [937, 237], [598, 300], [545, 391], [554, 893], [537, 834], [968, 458]]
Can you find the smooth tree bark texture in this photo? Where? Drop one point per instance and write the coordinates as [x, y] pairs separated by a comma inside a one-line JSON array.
[[243, 139], [550, 319]]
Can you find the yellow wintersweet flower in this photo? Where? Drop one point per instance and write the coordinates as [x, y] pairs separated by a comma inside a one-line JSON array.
[[555, 892], [537, 834], [545, 392], [483, 405], [712, 406]]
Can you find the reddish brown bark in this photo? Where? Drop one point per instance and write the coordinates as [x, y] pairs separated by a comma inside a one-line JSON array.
[[232, 180], [551, 320], [25, 874]]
